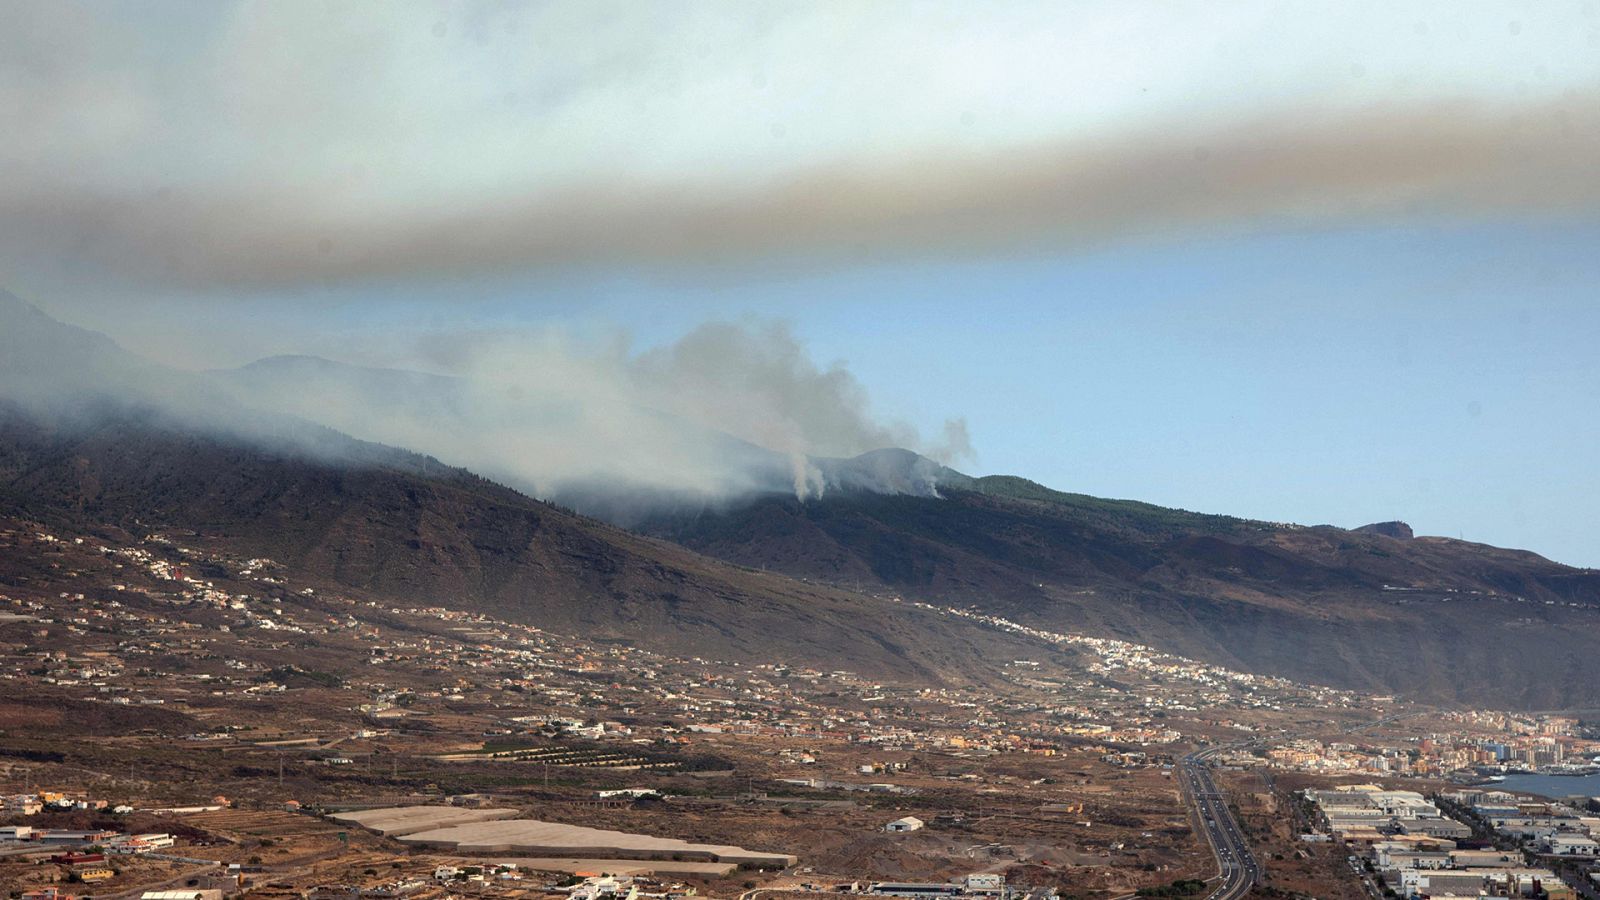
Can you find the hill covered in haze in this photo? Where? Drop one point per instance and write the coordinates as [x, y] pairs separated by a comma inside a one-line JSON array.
[[600, 452], [92, 437], [397, 525]]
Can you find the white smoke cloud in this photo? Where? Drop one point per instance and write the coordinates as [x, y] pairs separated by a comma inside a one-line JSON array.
[[728, 410]]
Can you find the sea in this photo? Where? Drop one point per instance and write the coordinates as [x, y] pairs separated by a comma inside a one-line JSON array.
[[1553, 786]]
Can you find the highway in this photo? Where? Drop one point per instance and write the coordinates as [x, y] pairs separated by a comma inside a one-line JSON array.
[[1238, 866], [1239, 870]]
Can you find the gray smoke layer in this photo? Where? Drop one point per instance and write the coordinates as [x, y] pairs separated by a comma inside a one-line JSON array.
[[728, 410], [288, 144], [1452, 160]]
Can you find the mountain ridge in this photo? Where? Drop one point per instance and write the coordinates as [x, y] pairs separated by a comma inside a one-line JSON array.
[[1321, 604], [390, 522], [121, 443]]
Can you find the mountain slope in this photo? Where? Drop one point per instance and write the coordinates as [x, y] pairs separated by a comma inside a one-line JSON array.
[[92, 437], [399, 526], [1431, 617]]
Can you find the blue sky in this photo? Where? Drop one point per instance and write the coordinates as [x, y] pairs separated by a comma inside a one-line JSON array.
[[1443, 374], [1256, 258]]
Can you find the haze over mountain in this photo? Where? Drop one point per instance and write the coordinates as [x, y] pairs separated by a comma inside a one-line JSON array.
[[95, 437], [89, 454], [601, 452]]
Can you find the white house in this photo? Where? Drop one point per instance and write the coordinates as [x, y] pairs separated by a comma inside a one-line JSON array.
[[1572, 845], [898, 826]]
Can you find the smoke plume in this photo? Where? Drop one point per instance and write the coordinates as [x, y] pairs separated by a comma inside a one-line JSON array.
[[1444, 160], [727, 410], [290, 144]]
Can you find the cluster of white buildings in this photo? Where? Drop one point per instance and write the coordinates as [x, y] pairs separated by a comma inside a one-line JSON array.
[[1466, 874], [477, 874], [621, 887], [1552, 829], [1415, 850], [112, 841], [1365, 813], [978, 884], [35, 803]]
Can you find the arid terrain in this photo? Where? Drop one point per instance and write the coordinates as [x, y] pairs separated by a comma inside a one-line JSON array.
[[157, 674]]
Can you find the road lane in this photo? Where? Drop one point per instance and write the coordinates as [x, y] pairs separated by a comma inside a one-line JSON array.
[[1238, 869]]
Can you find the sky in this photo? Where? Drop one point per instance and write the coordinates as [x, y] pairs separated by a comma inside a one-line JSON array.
[[1313, 262]]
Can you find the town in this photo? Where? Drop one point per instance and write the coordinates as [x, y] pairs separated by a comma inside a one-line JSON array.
[[1465, 843], [181, 720]]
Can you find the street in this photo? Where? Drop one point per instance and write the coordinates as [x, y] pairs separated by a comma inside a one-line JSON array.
[[1238, 867]]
